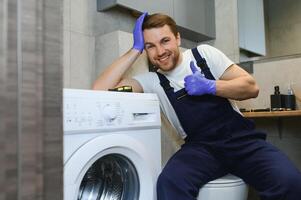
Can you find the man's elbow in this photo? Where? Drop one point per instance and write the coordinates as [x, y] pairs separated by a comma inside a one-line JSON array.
[[253, 87], [255, 91], [95, 87]]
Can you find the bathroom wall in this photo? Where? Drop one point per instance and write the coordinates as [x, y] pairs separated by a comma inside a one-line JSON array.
[[82, 26], [269, 73], [79, 43], [112, 45]]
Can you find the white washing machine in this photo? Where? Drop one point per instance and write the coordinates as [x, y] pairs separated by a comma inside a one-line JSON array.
[[112, 145]]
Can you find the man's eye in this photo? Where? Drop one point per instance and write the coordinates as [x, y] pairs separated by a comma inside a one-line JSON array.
[[166, 41], [148, 46]]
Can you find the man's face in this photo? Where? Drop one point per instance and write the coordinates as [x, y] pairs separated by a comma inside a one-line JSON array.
[[162, 47]]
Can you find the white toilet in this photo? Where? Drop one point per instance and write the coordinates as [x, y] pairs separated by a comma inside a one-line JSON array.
[[227, 187]]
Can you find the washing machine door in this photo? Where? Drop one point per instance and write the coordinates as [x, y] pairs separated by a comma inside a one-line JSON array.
[[112, 176], [111, 167]]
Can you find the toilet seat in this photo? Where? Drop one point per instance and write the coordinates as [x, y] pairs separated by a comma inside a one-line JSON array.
[[226, 187], [228, 180]]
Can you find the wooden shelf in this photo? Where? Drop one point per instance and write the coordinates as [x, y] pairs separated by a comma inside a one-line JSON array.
[[279, 115], [291, 113]]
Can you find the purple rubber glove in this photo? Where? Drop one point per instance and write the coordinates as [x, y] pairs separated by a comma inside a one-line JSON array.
[[138, 33], [197, 84]]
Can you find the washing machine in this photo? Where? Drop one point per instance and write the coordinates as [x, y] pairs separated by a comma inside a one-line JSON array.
[[112, 145]]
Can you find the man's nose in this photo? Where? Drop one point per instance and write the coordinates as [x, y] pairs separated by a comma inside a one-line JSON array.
[[160, 50]]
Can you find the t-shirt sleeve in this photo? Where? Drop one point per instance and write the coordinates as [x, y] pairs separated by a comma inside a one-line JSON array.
[[146, 81], [216, 60]]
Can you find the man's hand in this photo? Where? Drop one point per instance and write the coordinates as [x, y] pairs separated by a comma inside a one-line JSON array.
[[197, 84], [138, 34]]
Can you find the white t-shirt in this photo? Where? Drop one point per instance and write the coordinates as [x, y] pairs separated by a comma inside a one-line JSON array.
[[217, 61]]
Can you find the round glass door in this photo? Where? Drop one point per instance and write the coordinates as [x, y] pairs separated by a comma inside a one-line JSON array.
[[112, 177]]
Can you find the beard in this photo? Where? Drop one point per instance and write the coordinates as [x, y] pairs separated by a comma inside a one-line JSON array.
[[173, 59]]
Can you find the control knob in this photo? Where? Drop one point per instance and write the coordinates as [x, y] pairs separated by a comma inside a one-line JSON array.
[[110, 113]]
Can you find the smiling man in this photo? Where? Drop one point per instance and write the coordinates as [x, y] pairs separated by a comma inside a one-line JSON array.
[[196, 88]]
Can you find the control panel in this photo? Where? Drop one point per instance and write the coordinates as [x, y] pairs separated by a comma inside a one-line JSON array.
[[88, 113]]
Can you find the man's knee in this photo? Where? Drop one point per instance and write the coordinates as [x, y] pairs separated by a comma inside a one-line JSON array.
[[167, 177], [291, 182]]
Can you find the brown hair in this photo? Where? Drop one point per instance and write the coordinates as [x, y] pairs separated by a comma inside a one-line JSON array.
[[158, 20]]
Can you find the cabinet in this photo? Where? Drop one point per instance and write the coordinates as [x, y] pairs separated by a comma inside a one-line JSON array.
[[195, 18], [251, 26], [152, 6]]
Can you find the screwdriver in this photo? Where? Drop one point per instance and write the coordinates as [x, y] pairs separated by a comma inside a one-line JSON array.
[[125, 88]]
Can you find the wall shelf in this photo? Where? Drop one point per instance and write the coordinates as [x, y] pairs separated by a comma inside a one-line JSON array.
[[279, 115], [291, 113]]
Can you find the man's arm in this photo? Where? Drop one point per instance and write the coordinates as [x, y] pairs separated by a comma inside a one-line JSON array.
[[237, 84], [112, 76]]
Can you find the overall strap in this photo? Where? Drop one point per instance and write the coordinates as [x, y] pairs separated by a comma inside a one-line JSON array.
[[201, 62], [164, 82]]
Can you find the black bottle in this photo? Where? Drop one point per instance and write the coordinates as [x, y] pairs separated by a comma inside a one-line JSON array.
[[276, 100]]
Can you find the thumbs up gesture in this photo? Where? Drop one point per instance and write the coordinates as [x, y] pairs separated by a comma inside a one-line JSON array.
[[197, 84]]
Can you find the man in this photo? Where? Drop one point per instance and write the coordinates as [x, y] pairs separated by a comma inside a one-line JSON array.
[[197, 101]]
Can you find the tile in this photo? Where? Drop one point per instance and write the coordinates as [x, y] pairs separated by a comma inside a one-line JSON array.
[[284, 25], [82, 16], [66, 14], [112, 45], [82, 64], [66, 58], [113, 20], [107, 50], [226, 27], [285, 40], [270, 74], [125, 40], [282, 13]]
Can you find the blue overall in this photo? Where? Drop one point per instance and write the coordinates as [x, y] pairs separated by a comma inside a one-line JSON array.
[[220, 141]]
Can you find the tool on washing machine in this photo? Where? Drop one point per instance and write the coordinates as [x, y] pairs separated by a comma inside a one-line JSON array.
[[125, 88]]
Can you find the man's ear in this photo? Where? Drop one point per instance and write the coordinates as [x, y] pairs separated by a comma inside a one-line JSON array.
[[178, 39]]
